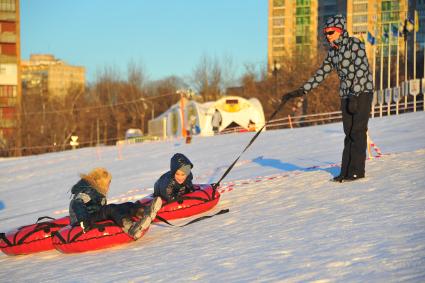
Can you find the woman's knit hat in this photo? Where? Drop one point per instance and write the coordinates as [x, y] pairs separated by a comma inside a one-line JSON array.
[[100, 179]]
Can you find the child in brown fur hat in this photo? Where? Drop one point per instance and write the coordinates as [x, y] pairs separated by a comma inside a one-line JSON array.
[[100, 179], [88, 205]]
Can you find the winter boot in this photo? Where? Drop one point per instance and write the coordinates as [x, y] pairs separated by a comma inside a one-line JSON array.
[[353, 178], [126, 225], [153, 208], [136, 230], [155, 205], [140, 211], [338, 179]]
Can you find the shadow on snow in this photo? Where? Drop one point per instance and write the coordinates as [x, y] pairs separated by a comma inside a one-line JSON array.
[[276, 163]]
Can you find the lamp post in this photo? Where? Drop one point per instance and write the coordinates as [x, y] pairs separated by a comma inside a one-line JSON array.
[[275, 71], [152, 106]]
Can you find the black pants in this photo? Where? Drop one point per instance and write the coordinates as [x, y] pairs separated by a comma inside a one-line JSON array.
[[355, 118], [116, 212]]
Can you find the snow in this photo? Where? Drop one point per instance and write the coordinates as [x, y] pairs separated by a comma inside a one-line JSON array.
[[287, 222]]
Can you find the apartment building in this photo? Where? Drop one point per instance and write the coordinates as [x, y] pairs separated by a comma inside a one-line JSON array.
[[10, 93], [45, 74], [292, 30]]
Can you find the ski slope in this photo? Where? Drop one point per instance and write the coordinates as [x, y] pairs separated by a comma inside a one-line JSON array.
[[287, 222]]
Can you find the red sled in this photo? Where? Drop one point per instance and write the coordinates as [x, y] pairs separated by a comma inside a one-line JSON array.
[[58, 234], [199, 201], [106, 234], [32, 238]]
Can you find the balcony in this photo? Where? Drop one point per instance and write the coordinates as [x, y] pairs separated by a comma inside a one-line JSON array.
[[7, 37], [8, 16], [7, 59], [8, 123], [8, 101]]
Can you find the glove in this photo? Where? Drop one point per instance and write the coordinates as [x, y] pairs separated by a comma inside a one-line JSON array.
[[189, 189], [296, 93], [179, 199], [85, 225], [215, 184]]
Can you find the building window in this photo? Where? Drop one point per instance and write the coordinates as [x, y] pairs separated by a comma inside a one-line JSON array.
[[390, 16], [278, 31], [8, 49], [278, 41], [359, 8], [359, 29], [7, 91], [303, 2], [7, 5], [303, 49], [302, 39], [279, 59], [302, 30], [278, 22], [360, 19], [302, 11], [8, 27], [390, 5], [278, 12], [303, 20], [278, 3]]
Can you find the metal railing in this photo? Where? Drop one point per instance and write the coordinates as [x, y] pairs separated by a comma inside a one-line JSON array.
[[379, 110], [332, 117]]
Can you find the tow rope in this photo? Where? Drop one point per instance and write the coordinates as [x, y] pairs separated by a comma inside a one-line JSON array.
[[215, 185], [194, 220]]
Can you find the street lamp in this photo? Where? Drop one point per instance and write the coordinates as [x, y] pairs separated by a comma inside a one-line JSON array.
[[275, 71], [152, 106], [186, 93]]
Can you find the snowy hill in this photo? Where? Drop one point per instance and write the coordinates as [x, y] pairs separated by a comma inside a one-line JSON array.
[[287, 222]]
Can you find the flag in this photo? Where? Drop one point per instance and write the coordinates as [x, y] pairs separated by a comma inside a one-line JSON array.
[[416, 21], [409, 25], [361, 37], [370, 38], [384, 35]]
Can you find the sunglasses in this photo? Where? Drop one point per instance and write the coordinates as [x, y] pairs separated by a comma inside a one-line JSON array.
[[329, 32]]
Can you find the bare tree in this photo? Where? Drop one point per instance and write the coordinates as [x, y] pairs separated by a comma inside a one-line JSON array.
[[134, 97], [207, 78]]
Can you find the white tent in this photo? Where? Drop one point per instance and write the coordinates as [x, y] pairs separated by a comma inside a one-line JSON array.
[[235, 112]]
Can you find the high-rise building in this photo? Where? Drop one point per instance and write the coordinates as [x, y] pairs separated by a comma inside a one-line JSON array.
[[292, 30], [329, 8], [382, 19], [45, 74], [295, 27], [9, 74]]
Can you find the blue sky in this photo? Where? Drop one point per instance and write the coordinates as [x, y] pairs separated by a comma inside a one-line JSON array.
[[166, 37]]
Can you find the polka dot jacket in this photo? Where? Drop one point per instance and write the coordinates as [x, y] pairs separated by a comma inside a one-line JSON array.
[[348, 58]]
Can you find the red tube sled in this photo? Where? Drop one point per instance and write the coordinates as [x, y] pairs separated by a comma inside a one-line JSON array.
[[199, 201], [32, 238], [107, 234]]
